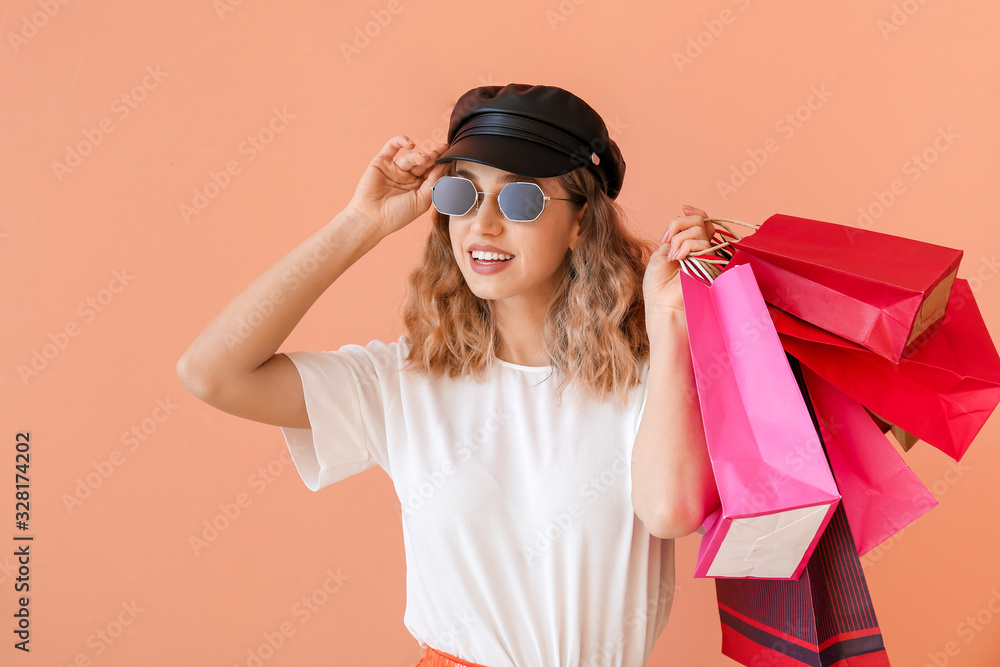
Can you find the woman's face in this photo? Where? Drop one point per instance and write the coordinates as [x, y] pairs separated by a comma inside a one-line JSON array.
[[538, 247]]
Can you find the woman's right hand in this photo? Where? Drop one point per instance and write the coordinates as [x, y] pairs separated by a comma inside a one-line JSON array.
[[394, 191]]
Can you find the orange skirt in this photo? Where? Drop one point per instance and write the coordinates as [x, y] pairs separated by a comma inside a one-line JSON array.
[[435, 658]]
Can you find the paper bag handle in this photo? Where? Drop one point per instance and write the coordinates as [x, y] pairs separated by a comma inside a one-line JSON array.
[[699, 265]]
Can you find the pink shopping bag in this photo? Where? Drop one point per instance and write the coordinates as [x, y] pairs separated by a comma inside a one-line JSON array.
[[879, 492], [772, 513]]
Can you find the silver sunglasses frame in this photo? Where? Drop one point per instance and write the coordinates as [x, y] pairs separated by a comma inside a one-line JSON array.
[[475, 204]]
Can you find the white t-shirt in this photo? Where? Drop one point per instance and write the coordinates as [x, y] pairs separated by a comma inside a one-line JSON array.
[[521, 544]]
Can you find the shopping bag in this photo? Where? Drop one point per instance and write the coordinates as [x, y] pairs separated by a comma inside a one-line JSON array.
[[942, 392], [905, 440], [879, 492], [825, 618], [755, 418], [877, 290]]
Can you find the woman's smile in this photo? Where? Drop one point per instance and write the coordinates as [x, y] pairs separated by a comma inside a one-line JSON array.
[[488, 259]]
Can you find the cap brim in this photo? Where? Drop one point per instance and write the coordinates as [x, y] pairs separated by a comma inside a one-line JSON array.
[[517, 156]]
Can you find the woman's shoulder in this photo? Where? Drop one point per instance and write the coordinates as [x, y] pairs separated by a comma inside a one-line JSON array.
[[382, 351], [379, 354]]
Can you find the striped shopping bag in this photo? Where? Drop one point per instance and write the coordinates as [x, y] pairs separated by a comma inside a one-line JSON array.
[[823, 619]]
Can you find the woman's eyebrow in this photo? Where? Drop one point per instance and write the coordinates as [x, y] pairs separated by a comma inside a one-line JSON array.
[[515, 178], [506, 178]]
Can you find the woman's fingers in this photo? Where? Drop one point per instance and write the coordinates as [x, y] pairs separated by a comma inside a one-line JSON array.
[[417, 163], [680, 224], [693, 218], [411, 160], [691, 210], [687, 247], [686, 240], [435, 172], [391, 147], [425, 162]]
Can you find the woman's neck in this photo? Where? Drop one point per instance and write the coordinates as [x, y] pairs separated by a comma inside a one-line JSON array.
[[521, 336]]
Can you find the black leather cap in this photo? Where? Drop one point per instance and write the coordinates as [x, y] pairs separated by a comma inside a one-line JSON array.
[[537, 131]]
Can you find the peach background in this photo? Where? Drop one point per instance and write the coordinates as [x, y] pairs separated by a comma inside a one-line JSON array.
[[681, 130]]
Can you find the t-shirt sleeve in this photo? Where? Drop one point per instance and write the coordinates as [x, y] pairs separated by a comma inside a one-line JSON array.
[[346, 392], [643, 396]]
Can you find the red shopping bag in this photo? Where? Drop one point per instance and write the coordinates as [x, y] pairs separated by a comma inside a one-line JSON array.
[[879, 492], [905, 440], [877, 290], [942, 392], [824, 619], [755, 418]]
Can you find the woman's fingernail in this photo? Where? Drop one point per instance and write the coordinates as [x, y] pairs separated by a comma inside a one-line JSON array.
[[672, 255]]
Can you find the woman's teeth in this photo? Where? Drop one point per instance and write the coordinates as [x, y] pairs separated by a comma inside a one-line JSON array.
[[490, 256]]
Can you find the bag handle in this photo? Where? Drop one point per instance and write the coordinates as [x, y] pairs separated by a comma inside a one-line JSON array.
[[699, 265]]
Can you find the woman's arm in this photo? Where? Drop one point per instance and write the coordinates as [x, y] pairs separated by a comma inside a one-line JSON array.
[[233, 364], [673, 487]]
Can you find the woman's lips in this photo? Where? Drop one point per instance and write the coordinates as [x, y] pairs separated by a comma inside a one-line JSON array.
[[489, 266]]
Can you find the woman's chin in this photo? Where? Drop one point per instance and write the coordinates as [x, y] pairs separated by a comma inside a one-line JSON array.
[[485, 294]]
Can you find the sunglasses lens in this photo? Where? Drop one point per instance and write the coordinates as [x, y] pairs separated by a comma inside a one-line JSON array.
[[521, 202], [453, 195]]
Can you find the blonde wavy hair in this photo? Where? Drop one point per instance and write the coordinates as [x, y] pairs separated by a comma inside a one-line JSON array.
[[595, 332]]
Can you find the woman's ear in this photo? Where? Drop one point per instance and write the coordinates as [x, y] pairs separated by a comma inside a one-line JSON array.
[[577, 222]]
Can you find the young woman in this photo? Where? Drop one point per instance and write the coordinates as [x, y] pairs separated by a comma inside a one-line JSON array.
[[538, 531]]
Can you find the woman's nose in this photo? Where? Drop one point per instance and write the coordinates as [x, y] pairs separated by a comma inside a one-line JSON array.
[[488, 215]]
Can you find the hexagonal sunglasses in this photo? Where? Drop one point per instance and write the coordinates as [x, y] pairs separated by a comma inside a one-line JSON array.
[[519, 201]]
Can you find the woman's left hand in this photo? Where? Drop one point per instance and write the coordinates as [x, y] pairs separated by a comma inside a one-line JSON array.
[[661, 286]]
